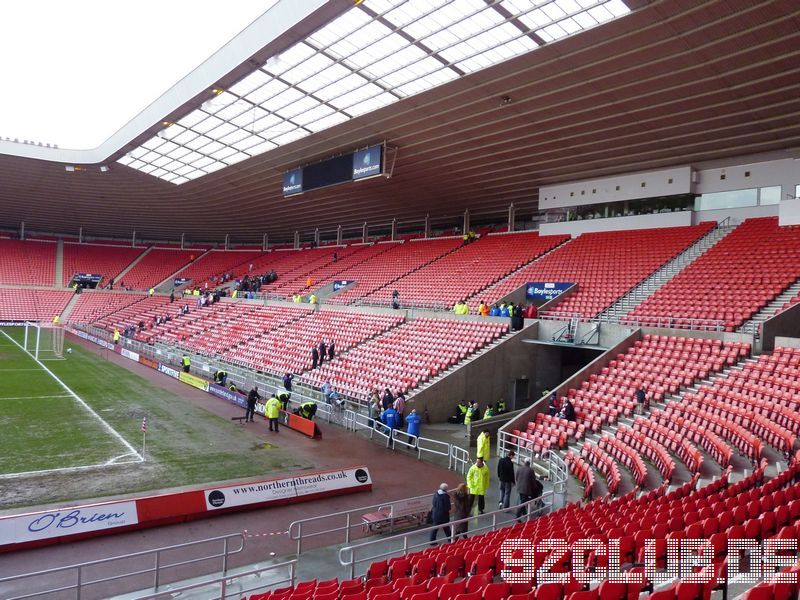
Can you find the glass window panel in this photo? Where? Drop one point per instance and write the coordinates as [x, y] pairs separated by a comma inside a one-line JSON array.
[[260, 148], [601, 14], [255, 80], [222, 153], [153, 143], [247, 142], [194, 174], [797, 191], [617, 8], [158, 173], [293, 56], [570, 26], [172, 165], [192, 118], [139, 152], [343, 49], [217, 103], [147, 169], [207, 149], [284, 99], [222, 130], [297, 107], [215, 166], [273, 88], [314, 114], [184, 137], [568, 6], [371, 104], [167, 147], [732, 199], [234, 136], [233, 110], [235, 158], [770, 195], [161, 161], [192, 156], [554, 31], [585, 20], [137, 164], [553, 11], [198, 142], [248, 117], [207, 124], [290, 137], [340, 27], [179, 152], [150, 156], [327, 122], [170, 133], [203, 162], [357, 95], [535, 19], [125, 160], [306, 69], [266, 123], [178, 180]]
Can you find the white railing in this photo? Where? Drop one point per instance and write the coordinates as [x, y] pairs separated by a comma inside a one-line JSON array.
[[644, 321]]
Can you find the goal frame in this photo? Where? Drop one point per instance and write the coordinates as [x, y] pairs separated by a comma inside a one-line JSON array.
[[41, 347]]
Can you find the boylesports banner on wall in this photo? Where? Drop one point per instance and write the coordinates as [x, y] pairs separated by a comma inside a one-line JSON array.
[[545, 290], [287, 487]]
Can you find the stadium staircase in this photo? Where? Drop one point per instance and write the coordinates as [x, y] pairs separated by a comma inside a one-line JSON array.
[[59, 263], [474, 301], [68, 308], [121, 276], [169, 278], [648, 287], [753, 325]]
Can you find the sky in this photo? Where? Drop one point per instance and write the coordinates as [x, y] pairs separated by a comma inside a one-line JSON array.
[[73, 73]]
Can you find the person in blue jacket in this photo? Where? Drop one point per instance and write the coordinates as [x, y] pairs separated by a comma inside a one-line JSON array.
[[495, 312], [440, 513], [504, 311], [391, 420], [412, 421]]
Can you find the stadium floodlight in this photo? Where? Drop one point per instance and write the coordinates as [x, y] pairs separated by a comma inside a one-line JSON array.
[[44, 341]]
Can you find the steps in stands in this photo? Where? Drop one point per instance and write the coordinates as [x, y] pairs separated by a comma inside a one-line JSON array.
[[68, 308], [59, 263], [122, 273], [167, 282], [753, 326], [650, 285]]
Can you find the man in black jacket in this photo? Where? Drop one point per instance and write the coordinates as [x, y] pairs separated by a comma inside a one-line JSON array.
[[252, 398], [505, 474], [528, 487], [440, 512]]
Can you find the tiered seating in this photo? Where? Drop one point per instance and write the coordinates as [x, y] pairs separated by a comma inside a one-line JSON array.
[[198, 325], [92, 306], [733, 280], [143, 310], [27, 263], [467, 271], [658, 364], [674, 442], [215, 263], [651, 449], [287, 263], [549, 432], [288, 349], [406, 356], [23, 304], [326, 274], [107, 261], [603, 462], [582, 471], [747, 443], [156, 266], [397, 261], [699, 434], [625, 455], [605, 266]]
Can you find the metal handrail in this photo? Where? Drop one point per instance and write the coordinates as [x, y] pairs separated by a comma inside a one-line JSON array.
[[347, 554], [643, 321], [156, 569]]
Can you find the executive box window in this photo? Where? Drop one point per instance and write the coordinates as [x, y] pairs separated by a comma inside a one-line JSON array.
[[732, 199], [769, 195]]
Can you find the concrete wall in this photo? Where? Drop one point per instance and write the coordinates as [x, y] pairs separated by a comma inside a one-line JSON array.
[[610, 333], [646, 184], [737, 215], [655, 221], [725, 336], [786, 324], [592, 368], [484, 379], [749, 173], [789, 212], [786, 342]]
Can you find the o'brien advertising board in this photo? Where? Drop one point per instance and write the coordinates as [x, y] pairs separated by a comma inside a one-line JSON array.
[[368, 162], [286, 488], [67, 521]]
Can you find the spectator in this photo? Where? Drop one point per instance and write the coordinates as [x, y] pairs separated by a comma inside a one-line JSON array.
[[460, 511], [528, 487], [399, 405], [504, 310], [326, 391], [331, 351], [388, 399], [477, 484], [391, 420], [483, 309], [500, 407], [489, 412], [309, 282], [323, 352], [287, 382], [375, 407], [314, 357], [552, 406], [567, 410], [395, 300], [641, 399], [495, 312], [461, 412], [252, 398], [312, 299], [517, 320], [413, 421], [440, 512], [307, 410], [283, 396], [505, 474], [116, 333], [531, 312], [186, 362], [473, 414], [273, 410], [172, 296]]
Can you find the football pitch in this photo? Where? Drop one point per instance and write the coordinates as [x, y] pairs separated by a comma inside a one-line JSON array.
[[71, 429]]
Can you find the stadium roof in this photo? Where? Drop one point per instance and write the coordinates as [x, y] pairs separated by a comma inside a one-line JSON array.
[[670, 83]]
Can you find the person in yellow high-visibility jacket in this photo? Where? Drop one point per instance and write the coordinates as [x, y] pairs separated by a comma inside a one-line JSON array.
[[477, 484], [56, 319], [273, 410], [483, 445], [116, 336]]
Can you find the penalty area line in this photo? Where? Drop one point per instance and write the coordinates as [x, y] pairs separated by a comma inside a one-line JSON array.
[[65, 470], [32, 397], [111, 430]]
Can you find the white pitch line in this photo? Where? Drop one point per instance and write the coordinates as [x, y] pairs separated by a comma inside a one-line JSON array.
[[15, 370], [32, 397], [65, 469], [88, 408]]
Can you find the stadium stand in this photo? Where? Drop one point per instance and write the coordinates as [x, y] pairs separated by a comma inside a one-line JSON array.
[[288, 264], [605, 266], [406, 356], [401, 259], [733, 280], [93, 306], [465, 272], [288, 348], [156, 266], [27, 262], [22, 304], [214, 263], [107, 261], [143, 311]]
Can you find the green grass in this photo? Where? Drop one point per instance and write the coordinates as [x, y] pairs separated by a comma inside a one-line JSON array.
[[186, 445]]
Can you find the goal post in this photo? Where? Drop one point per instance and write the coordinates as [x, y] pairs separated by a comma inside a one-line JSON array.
[[44, 340]]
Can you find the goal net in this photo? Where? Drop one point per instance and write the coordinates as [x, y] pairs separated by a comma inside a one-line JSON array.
[[44, 341]]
